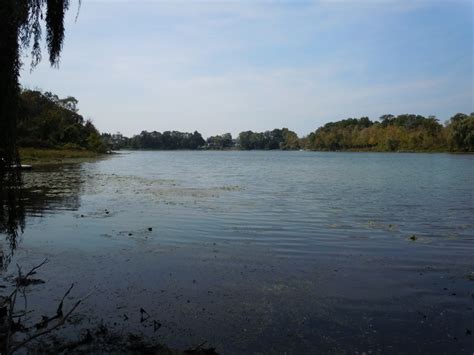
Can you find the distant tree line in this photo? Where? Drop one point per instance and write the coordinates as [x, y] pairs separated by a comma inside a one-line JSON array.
[[46, 121], [168, 140], [223, 141], [283, 139], [405, 132], [395, 133], [277, 139]]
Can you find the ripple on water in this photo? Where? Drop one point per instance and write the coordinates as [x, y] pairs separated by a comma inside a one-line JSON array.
[[315, 242]]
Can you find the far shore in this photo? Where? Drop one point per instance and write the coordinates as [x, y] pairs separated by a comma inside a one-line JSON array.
[[233, 149], [44, 156]]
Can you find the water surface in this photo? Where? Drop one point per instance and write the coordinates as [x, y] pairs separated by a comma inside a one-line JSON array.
[[262, 251]]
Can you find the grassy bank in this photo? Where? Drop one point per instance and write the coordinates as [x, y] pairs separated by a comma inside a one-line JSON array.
[[55, 156]]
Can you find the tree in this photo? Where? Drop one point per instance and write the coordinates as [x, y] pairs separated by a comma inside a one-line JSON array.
[[392, 133], [69, 103], [461, 132], [275, 139], [21, 30], [95, 143], [220, 141], [245, 139], [290, 140], [50, 122], [196, 141], [168, 140]]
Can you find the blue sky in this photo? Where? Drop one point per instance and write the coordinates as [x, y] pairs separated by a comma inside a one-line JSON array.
[[228, 66]]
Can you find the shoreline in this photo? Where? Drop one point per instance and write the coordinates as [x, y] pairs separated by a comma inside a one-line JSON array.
[[44, 156], [51, 156], [293, 150]]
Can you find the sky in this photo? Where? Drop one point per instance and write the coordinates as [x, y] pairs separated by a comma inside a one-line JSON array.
[[230, 66]]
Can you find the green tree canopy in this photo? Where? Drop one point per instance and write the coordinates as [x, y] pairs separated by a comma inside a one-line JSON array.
[[21, 31], [50, 122]]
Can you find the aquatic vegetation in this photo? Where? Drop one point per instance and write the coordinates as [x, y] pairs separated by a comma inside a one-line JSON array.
[[381, 226], [231, 188]]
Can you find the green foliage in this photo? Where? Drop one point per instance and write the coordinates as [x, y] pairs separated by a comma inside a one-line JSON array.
[[168, 140], [290, 140], [116, 141], [394, 133], [276, 139], [20, 24], [461, 132], [30, 16], [95, 143], [46, 121], [220, 141], [405, 132]]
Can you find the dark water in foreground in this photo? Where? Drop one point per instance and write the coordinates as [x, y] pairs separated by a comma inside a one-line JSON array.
[[262, 251]]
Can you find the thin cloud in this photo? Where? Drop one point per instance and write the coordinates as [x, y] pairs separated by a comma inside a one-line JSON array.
[[238, 65]]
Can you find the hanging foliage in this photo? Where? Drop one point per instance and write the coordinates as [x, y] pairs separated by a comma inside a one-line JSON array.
[[20, 33]]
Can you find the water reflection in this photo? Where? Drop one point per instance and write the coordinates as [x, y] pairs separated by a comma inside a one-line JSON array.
[[33, 193], [48, 189], [12, 213]]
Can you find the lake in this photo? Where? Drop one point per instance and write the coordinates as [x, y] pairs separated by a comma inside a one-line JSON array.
[[261, 251]]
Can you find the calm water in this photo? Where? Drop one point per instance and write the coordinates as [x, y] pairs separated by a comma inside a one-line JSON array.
[[262, 251]]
